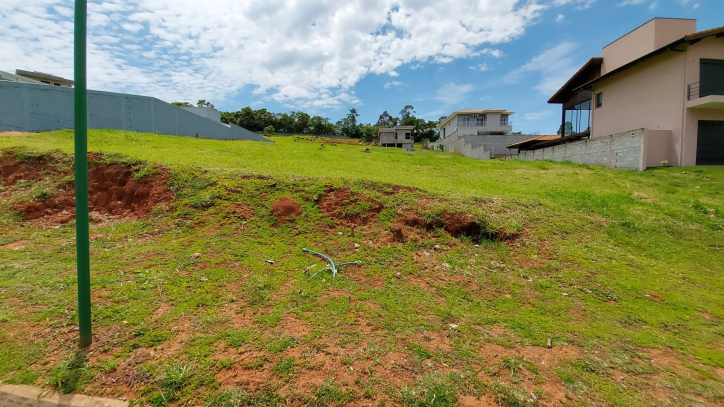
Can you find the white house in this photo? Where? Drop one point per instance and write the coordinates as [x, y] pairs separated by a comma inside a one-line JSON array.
[[480, 122]]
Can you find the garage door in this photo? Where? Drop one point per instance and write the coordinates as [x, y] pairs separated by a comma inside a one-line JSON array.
[[710, 144]]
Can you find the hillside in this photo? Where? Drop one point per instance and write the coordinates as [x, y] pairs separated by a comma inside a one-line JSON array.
[[202, 294]]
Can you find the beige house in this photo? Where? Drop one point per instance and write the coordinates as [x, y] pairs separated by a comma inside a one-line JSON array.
[[480, 122], [663, 79], [398, 136], [45, 78]]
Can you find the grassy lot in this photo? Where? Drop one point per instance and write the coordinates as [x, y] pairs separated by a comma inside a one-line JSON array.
[[621, 271]]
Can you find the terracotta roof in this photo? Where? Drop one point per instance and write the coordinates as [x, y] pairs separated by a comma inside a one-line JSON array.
[[544, 137]]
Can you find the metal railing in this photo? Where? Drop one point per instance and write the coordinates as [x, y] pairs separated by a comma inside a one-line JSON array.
[[692, 91]]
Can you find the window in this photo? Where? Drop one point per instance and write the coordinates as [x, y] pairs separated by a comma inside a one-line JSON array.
[[480, 121], [599, 99], [407, 136], [503, 119], [465, 122]]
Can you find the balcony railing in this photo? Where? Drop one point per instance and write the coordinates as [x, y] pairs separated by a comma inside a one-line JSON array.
[[692, 91]]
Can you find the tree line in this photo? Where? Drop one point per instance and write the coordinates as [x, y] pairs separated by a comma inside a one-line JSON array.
[[302, 123]]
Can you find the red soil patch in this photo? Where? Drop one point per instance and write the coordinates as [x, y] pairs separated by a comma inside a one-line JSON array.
[[457, 225], [554, 392], [32, 169], [349, 208], [240, 210], [284, 208], [113, 190]]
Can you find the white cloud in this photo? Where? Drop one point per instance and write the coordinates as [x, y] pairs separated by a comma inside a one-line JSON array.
[[560, 18], [654, 5], [554, 65], [479, 67], [391, 84], [302, 53], [580, 4], [452, 93], [532, 116]]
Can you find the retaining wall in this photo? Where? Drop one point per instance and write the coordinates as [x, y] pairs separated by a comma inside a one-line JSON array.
[[622, 150], [32, 108], [479, 147]]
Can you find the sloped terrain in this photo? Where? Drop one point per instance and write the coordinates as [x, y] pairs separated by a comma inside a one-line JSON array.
[[202, 294]]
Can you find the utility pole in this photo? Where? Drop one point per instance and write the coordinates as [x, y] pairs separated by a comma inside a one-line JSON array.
[[82, 239]]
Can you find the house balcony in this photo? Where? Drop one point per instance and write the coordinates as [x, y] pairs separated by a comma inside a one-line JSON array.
[[487, 129], [696, 99]]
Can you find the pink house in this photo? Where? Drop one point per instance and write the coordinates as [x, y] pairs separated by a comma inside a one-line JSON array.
[[663, 78]]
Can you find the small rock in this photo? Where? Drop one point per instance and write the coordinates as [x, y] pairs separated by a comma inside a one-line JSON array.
[[357, 246], [426, 253], [437, 246], [550, 343], [196, 255], [477, 245], [565, 294], [684, 172], [398, 274], [203, 279], [446, 265], [271, 262], [125, 322], [340, 233], [535, 398], [453, 326]]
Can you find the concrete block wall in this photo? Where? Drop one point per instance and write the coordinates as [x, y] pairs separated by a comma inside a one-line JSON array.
[[622, 150], [31, 108]]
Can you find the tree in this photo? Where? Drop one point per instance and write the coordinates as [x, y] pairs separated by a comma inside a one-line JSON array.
[[352, 116], [204, 103], [268, 131], [182, 104], [285, 122], [441, 119], [406, 112], [301, 122], [568, 129], [387, 120]]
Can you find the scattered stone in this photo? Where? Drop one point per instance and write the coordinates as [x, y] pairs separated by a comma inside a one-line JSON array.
[[357, 246], [196, 255], [446, 265], [565, 294], [398, 274], [203, 279], [454, 326], [550, 343], [437, 246], [271, 262], [284, 208]]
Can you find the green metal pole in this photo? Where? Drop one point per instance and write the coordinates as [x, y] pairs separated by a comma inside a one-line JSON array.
[[81, 176]]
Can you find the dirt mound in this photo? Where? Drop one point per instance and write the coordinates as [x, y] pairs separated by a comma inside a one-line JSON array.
[[457, 225], [284, 207], [113, 190], [32, 168], [348, 207]]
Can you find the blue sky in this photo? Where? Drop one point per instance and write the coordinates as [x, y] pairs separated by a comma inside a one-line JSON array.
[[326, 56]]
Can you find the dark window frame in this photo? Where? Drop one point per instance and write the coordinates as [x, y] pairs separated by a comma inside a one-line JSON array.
[[599, 100]]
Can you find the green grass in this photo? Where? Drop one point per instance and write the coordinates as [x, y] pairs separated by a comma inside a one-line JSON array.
[[624, 267]]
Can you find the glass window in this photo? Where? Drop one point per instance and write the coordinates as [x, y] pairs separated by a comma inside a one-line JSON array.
[[480, 121], [465, 122], [407, 136], [599, 99], [577, 118], [503, 119]]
